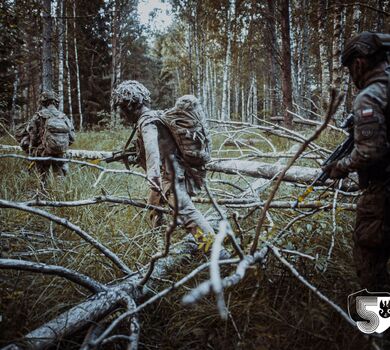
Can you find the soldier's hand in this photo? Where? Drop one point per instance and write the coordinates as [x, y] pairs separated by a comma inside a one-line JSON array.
[[334, 171]]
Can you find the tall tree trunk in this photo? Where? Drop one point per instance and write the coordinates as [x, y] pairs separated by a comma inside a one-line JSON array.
[[324, 59], [243, 114], [337, 71], [336, 47], [77, 68], [225, 107], [61, 33], [68, 79], [47, 59], [356, 19], [14, 97], [380, 23], [189, 51], [273, 51], [114, 46], [286, 62], [116, 54]]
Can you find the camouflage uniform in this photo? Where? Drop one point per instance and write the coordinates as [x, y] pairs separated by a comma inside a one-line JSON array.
[[32, 141], [370, 158], [156, 144]]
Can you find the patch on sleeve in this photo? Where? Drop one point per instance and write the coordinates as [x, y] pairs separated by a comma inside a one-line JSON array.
[[368, 112]]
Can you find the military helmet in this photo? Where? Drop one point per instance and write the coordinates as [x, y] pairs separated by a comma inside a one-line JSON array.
[[48, 95], [364, 44], [130, 92]]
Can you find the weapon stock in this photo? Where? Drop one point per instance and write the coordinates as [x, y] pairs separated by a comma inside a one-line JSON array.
[[127, 157]]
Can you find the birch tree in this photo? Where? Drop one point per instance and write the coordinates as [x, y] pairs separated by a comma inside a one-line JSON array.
[[286, 61], [76, 57], [225, 107], [323, 48], [47, 59], [61, 35], [337, 69]]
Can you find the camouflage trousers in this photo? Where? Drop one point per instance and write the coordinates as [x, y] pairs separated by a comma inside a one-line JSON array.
[[372, 237], [58, 168], [190, 217]]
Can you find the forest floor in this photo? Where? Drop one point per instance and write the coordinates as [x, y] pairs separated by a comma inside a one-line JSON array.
[[269, 309]]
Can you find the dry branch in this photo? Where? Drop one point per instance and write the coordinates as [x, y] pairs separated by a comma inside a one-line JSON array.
[[95, 200], [340, 311], [99, 305], [74, 276], [64, 222], [334, 103], [250, 203], [256, 169]]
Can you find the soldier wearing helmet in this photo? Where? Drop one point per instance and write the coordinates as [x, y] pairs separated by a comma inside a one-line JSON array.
[[155, 145], [48, 134], [365, 56]]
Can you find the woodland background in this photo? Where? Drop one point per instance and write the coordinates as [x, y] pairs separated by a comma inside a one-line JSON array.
[[246, 60], [264, 63]]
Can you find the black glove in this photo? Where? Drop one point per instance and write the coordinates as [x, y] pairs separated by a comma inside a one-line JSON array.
[[334, 171]]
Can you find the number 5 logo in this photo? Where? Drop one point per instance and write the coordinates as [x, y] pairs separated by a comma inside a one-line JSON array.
[[371, 317]]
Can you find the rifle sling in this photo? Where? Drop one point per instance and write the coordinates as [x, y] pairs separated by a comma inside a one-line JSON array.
[[125, 159]]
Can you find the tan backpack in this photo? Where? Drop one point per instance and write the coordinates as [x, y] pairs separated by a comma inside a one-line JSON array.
[[187, 124]]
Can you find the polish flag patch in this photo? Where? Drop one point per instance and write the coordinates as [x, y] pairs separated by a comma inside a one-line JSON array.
[[368, 112]]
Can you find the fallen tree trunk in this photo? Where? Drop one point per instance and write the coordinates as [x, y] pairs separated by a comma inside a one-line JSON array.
[[297, 174], [99, 305], [251, 203]]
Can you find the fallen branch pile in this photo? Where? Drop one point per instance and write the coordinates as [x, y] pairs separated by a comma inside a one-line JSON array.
[[131, 295]]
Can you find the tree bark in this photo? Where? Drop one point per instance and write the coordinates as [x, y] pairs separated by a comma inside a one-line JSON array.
[[61, 33], [47, 59], [68, 78], [14, 98], [100, 304], [225, 107], [77, 67], [286, 62], [325, 72]]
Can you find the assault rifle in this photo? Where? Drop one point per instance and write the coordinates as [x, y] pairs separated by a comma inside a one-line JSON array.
[[128, 157], [340, 152]]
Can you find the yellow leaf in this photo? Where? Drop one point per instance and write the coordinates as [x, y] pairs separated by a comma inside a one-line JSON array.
[[95, 161]]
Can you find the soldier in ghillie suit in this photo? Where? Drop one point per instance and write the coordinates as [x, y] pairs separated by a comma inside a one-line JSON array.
[[158, 139], [48, 133], [365, 55]]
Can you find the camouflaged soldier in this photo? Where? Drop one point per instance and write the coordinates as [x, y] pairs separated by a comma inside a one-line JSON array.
[[366, 58], [49, 133], [156, 144]]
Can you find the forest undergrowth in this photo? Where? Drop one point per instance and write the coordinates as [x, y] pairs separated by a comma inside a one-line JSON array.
[[269, 309]]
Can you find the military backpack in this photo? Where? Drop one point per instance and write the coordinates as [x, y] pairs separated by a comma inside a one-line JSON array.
[[190, 132], [55, 132]]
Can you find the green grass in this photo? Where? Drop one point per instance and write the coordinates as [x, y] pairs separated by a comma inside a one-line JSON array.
[[269, 309]]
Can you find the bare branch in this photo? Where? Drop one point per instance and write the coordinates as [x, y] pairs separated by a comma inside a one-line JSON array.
[[339, 310], [334, 103], [76, 277], [64, 222], [95, 200]]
